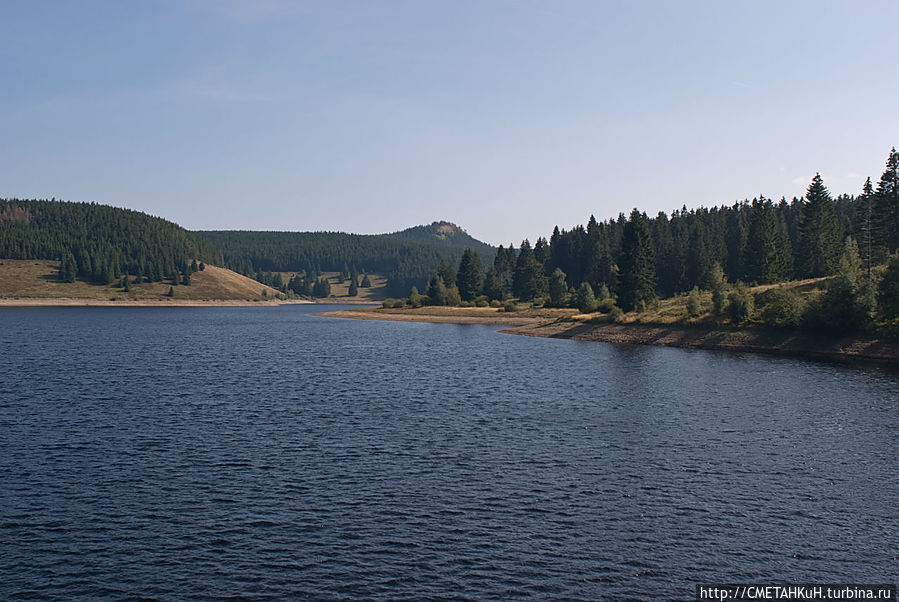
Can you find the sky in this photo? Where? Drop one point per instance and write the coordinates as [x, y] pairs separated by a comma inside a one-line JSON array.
[[507, 118]]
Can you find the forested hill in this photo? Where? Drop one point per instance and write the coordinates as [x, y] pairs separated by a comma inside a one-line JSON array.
[[98, 242], [443, 234], [406, 258]]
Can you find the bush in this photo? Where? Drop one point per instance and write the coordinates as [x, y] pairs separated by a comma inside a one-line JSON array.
[[393, 303], [496, 303], [510, 306], [481, 303], [694, 303], [782, 307], [742, 304], [585, 299], [616, 314], [606, 305]]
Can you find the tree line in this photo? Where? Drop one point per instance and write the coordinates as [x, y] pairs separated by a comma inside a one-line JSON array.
[[637, 259], [406, 258], [100, 243]]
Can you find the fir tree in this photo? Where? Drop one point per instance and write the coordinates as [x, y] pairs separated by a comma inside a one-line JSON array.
[[638, 270], [818, 235], [354, 288], [469, 278], [529, 281], [493, 285], [886, 214], [437, 290]]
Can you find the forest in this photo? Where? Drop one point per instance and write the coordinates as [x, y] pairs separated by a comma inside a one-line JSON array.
[[632, 261], [407, 258], [100, 243]]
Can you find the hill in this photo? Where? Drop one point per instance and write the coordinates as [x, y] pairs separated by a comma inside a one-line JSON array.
[[38, 279], [406, 258], [98, 243], [445, 234]]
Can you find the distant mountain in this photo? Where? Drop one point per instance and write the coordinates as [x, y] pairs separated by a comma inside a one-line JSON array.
[[444, 234], [406, 258]]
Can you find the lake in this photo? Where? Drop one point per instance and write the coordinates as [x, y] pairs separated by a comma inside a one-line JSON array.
[[183, 453]]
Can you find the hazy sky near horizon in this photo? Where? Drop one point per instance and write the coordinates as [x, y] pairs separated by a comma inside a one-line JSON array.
[[504, 117]]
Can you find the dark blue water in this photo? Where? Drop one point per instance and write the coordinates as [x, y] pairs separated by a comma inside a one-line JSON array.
[[181, 453]]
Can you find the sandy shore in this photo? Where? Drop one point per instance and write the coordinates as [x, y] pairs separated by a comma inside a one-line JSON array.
[[769, 341], [33, 302]]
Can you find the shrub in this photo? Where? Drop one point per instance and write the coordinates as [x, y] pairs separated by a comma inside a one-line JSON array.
[[510, 306], [782, 307], [481, 303], [742, 304], [586, 301], [694, 303], [606, 305], [496, 303], [616, 314]]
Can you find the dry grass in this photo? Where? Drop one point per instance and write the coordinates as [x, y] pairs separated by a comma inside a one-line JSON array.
[[32, 279]]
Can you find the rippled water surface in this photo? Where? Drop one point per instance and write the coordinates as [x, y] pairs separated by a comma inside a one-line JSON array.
[[184, 453]]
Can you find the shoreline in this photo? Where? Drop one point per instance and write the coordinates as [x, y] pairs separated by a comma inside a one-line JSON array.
[[786, 343], [76, 302]]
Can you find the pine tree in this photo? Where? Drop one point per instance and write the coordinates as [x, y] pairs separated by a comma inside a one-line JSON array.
[[818, 236], [366, 283], [469, 278], [638, 270], [354, 288]]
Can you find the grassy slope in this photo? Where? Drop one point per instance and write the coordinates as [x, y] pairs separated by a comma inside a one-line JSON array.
[[35, 279]]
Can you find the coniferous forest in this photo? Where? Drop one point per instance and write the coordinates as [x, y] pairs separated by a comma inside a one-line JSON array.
[[99, 243], [636, 259], [405, 258]]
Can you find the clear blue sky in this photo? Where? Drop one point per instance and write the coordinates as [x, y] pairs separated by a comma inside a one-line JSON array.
[[504, 117]]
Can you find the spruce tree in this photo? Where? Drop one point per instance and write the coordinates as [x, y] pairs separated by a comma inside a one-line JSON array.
[[446, 273], [354, 288], [437, 290], [818, 235], [864, 224], [638, 270], [886, 213], [529, 282], [493, 285], [764, 261], [469, 278]]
